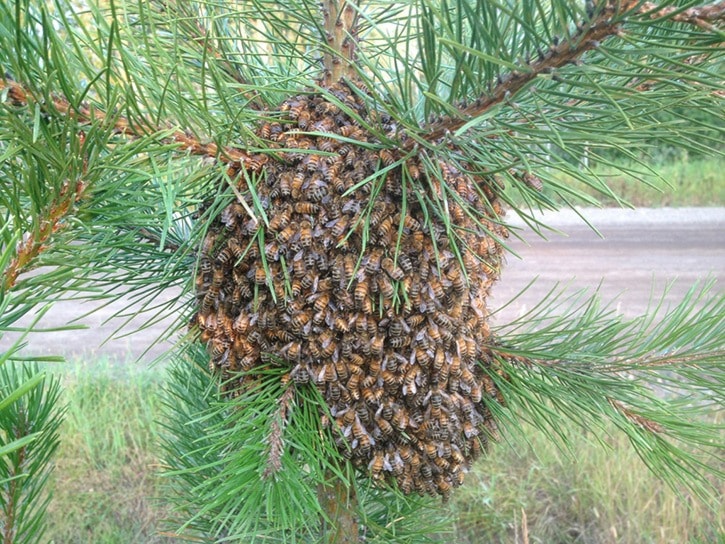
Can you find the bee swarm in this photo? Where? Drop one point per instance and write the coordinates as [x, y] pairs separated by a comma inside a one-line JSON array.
[[391, 327]]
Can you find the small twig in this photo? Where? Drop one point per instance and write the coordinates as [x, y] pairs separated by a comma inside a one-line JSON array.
[[340, 20], [148, 235], [705, 17], [637, 419], [16, 470], [588, 37], [275, 438], [85, 115], [200, 37], [34, 241]]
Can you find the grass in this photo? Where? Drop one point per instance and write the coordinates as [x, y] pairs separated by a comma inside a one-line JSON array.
[[106, 489], [690, 182], [588, 495]]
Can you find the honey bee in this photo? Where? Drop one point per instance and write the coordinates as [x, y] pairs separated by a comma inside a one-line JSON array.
[[361, 293], [299, 267], [434, 332], [349, 264], [455, 365], [391, 269], [423, 356], [236, 249], [328, 373], [260, 276], [362, 441], [400, 419], [376, 465], [405, 263], [385, 231], [353, 385], [409, 383], [470, 351], [306, 207], [295, 107], [265, 131], [321, 302], [326, 144], [377, 344], [281, 219], [297, 182], [340, 226], [351, 131], [306, 233], [399, 341], [414, 320], [224, 256], [476, 392], [417, 240], [442, 463], [217, 348], [385, 427], [311, 162], [439, 360], [300, 374], [257, 161], [303, 118], [327, 344], [299, 321], [385, 287], [285, 184], [314, 352], [296, 287], [308, 280], [469, 430], [208, 301], [386, 157], [348, 417], [217, 277], [372, 395], [286, 234], [374, 365]]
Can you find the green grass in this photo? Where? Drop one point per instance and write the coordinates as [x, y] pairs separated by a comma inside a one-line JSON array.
[[690, 182], [591, 495], [105, 486], [106, 489]]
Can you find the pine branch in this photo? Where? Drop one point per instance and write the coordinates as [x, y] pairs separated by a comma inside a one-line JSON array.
[[340, 17], [35, 241], [86, 115], [706, 17], [589, 36], [200, 35], [275, 438]]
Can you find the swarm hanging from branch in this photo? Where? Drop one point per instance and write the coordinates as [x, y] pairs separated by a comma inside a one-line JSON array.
[[357, 286]]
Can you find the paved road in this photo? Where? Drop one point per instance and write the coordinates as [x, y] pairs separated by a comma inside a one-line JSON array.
[[639, 253]]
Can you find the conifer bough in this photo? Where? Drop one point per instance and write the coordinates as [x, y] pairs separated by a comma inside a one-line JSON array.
[[363, 227]]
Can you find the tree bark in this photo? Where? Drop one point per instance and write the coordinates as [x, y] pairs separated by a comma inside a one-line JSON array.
[[340, 503]]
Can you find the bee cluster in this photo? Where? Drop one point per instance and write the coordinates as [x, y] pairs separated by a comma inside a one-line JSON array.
[[361, 290]]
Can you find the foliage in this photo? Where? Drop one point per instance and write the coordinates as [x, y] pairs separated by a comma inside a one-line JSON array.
[[117, 123], [106, 486], [29, 419]]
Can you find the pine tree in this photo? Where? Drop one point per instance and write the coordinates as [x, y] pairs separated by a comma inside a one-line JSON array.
[[328, 184]]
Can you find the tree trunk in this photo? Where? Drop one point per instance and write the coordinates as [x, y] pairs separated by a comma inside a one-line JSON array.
[[340, 503]]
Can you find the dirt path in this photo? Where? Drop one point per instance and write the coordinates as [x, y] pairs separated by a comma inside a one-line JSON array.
[[640, 253]]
